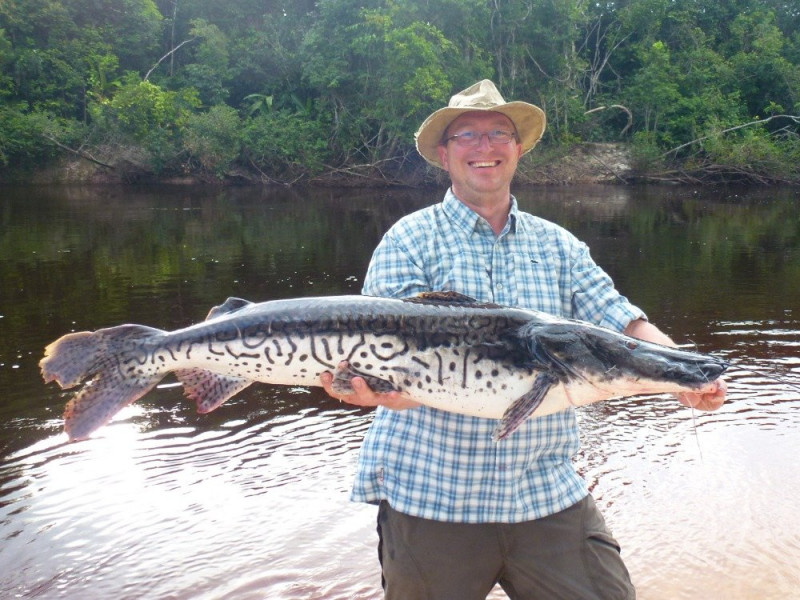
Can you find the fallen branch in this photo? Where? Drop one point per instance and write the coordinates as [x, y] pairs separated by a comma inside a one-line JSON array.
[[80, 153], [794, 118]]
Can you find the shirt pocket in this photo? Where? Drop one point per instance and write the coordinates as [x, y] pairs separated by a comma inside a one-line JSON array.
[[537, 282], [462, 271]]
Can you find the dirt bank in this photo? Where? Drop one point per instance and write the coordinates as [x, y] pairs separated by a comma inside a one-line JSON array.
[[580, 164]]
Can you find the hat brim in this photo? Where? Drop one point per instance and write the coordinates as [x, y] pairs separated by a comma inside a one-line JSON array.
[[529, 121]]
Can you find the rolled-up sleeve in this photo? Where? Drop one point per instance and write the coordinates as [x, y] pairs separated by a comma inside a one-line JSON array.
[[594, 297]]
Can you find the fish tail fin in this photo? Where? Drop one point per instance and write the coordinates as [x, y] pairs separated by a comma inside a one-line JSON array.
[[97, 359]]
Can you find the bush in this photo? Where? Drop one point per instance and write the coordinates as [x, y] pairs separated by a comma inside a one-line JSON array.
[[25, 136], [143, 115], [285, 145], [213, 139], [646, 155], [754, 150]]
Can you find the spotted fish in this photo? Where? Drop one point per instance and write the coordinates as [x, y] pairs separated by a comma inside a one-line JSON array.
[[442, 349]]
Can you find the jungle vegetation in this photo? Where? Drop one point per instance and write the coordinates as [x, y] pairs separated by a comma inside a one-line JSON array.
[[324, 90]]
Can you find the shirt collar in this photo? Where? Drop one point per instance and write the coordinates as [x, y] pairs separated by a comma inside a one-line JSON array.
[[470, 221]]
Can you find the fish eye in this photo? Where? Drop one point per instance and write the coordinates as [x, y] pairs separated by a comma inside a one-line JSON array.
[[631, 345]]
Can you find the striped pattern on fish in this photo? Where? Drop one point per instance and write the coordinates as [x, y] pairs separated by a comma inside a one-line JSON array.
[[442, 349]]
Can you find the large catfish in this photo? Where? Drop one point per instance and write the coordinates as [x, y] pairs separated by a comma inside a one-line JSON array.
[[442, 349]]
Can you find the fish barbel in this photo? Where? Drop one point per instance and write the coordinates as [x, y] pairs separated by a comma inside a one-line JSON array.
[[442, 349]]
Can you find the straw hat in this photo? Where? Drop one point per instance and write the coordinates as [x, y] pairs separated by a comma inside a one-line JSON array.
[[528, 119]]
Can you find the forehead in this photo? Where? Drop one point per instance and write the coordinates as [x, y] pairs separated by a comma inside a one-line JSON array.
[[481, 119]]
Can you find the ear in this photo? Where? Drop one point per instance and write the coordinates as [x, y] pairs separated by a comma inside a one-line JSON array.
[[442, 150]]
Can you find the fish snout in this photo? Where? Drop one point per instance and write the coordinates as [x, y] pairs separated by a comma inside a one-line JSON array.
[[712, 369]]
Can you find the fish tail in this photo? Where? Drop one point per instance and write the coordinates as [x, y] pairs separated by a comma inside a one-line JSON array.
[[110, 363]]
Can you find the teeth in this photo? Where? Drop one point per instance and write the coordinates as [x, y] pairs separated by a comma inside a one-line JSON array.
[[493, 163]]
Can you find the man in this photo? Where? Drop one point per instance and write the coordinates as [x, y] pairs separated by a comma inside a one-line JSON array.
[[458, 512]]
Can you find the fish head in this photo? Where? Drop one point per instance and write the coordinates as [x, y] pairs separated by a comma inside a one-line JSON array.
[[574, 350]]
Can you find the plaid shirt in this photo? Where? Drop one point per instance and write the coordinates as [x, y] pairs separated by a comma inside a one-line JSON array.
[[438, 465]]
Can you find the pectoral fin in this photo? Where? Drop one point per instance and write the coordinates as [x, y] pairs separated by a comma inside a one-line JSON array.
[[344, 373], [524, 407]]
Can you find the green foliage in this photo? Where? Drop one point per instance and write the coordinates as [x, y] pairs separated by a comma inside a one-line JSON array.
[[344, 83], [208, 71], [140, 107], [143, 115], [25, 135], [285, 145], [213, 139], [755, 150], [646, 154]]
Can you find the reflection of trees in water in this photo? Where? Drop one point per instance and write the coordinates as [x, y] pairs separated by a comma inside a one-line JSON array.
[[86, 257]]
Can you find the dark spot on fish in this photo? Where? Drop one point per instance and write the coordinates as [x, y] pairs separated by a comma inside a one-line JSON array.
[[495, 372], [478, 374], [303, 357], [452, 366], [421, 362]]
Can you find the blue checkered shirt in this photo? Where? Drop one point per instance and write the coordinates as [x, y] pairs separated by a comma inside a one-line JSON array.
[[439, 465]]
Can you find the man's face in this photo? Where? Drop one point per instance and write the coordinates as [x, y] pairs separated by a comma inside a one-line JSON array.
[[483, 169]]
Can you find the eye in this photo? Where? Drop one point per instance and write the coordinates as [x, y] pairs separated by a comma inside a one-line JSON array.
[[499, 136], [631, 345], [467, 135]]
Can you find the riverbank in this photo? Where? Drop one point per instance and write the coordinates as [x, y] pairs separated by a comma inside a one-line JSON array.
[[581, 164]]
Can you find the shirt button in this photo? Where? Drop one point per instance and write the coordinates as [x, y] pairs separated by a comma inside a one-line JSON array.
[[499, 286]]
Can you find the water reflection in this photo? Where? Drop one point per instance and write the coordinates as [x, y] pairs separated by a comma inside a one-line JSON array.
[[251, 501]]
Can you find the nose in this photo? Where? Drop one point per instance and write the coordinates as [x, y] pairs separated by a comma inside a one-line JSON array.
[[484, 138]]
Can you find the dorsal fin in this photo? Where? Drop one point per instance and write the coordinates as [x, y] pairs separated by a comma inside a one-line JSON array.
[[450, 297], [230, 305]]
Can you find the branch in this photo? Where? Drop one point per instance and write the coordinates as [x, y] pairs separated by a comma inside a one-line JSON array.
[[80, 153], [795, 118], [166, 56], [619, 106]]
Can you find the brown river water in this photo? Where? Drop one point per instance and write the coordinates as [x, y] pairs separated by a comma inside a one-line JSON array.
[[251, 501]]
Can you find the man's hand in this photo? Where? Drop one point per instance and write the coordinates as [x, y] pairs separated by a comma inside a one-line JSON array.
[[645, 330], [707, 401], [364, 396]]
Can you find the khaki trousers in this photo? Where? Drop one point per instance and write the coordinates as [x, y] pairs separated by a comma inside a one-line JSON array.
[[570, 555]]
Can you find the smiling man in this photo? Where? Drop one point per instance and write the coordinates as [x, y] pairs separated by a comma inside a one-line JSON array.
[[459, 513]]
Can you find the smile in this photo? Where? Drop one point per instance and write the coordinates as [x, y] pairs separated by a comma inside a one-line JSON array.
[[484, 164]]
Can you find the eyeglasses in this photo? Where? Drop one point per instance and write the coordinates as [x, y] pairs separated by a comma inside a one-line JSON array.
[[473, 138]]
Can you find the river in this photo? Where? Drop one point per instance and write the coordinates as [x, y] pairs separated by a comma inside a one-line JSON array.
[[251, 501]]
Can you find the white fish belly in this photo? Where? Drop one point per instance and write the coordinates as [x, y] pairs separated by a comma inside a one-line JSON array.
[[457, 379]]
